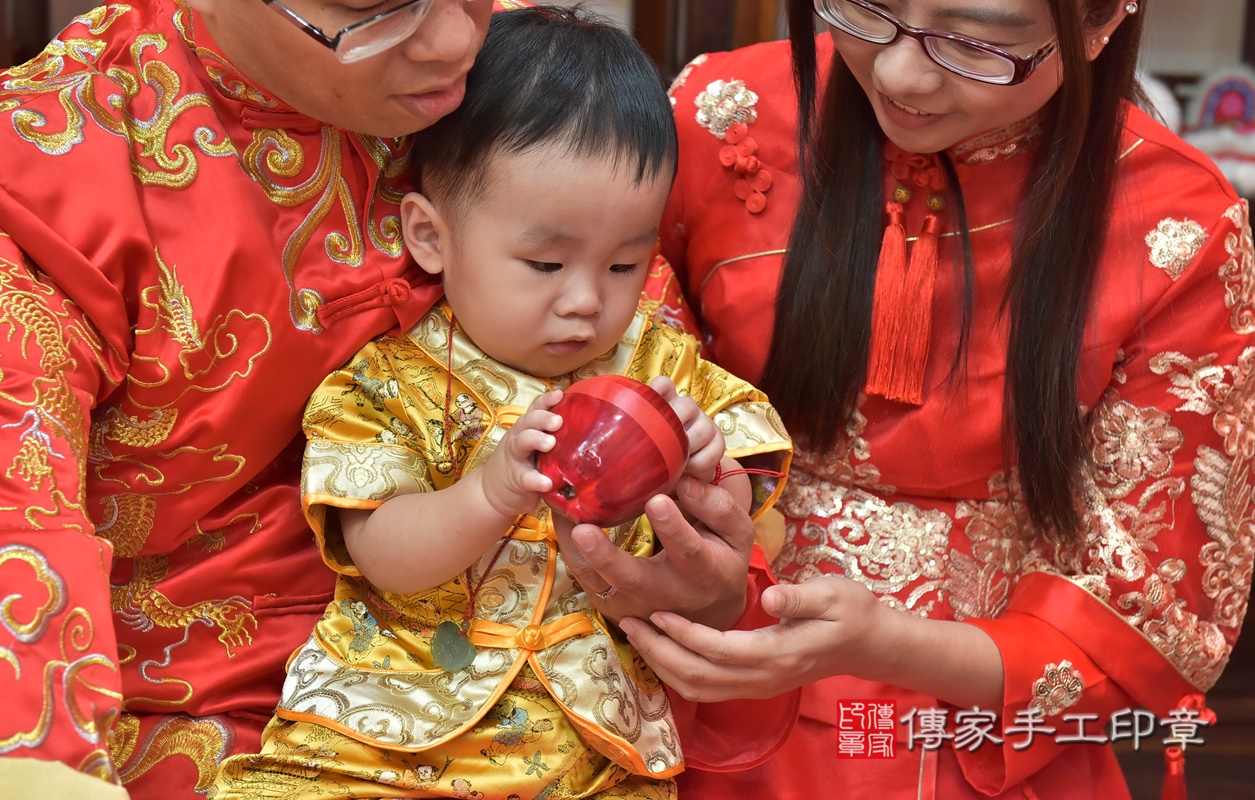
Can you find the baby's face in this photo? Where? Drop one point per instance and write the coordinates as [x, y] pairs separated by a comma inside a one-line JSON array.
[[545, 270]]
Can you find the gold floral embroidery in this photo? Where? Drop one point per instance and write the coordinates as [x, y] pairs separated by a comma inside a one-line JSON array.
[[897, 550], [976, 590], [1058, 688], [980, 585], [849, 462], [1195, 382], [1238, 272], [724, 103], [1174, 243], [1221, 494], [838, 522], [1132, 445]]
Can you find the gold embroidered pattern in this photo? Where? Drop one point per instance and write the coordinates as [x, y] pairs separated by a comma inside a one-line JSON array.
[[225, 351], [276, 160], [203, 740], [139, 604], [1238, 273], [1174, 243], [1195, 382], [1221, 494], [77, 90], [724, 103], [980, 585], [385, 230], [1133, 445], [128, 519], [999, 145], [63, 681], [897, 550], [1058, 688], [50, 427]]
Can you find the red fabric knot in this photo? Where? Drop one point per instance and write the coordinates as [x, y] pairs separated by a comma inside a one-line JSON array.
[[398, 291], [915, 169], [740, 156]]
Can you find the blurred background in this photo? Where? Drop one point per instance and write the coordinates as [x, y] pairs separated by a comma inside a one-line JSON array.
[[1198, 70], [1187, 39]]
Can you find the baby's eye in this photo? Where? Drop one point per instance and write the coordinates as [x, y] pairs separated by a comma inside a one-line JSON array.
[[625, 269], [544, 266]]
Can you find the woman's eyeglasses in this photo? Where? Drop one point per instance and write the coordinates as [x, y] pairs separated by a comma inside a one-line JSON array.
[[967, 57]]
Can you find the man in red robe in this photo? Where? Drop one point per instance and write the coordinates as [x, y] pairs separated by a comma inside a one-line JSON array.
[[198, 222]]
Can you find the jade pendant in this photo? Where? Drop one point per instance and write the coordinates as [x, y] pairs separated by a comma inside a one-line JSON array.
[[451, 648]]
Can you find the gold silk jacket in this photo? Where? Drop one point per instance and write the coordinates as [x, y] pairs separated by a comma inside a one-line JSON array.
[[376, 429]]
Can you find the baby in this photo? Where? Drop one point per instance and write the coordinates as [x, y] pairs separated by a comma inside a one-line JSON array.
[[459, 657]]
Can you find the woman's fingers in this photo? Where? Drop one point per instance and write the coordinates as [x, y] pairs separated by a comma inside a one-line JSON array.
[[707, 665]]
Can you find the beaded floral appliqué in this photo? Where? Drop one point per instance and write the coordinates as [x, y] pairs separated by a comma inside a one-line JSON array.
[[1174, 243], [726, 109], [1059, 687], [725, 103]]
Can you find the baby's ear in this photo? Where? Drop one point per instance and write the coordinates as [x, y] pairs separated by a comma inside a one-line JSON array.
[[424, 230]]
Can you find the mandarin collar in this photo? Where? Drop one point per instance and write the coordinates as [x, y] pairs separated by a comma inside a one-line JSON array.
[[999, 145]]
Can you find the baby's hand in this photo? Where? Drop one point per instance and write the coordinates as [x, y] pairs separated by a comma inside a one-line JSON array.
[[512, 484], [706, 445]]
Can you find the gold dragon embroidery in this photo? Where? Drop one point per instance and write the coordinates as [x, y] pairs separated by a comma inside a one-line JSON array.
[[143, 607]]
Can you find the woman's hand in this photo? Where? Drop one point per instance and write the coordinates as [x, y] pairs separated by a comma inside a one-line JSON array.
[[831, 625], [699, 574], [828, 626]]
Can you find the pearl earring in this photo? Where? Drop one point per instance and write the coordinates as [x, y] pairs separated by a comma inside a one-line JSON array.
[[1105, 40], [1130, 8]]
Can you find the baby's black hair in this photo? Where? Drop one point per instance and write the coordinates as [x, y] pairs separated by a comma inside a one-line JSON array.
[[549, 74]]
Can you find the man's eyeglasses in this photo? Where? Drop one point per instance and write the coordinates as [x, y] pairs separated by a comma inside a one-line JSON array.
[[368, 37], [962, 56]]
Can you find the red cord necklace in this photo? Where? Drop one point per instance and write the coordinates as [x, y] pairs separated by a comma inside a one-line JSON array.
[[451, 646]]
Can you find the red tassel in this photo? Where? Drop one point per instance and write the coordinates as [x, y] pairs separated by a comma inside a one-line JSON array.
[[1173, 774], [902, 311]]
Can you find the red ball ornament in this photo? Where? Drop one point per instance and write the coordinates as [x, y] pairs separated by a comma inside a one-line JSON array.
[[619, 445]]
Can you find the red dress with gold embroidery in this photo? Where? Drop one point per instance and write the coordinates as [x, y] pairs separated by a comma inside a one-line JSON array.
[[916, 504], [183, 258]]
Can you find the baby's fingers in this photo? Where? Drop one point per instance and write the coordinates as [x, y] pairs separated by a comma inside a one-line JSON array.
[[527, 441]]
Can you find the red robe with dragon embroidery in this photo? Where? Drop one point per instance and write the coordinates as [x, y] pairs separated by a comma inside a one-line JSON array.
[[183, 259], [916, 504]]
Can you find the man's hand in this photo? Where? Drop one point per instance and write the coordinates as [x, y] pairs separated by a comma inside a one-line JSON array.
[[699, 573]]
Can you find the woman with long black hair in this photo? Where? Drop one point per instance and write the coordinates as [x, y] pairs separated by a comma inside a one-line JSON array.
[[1007, 317]]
